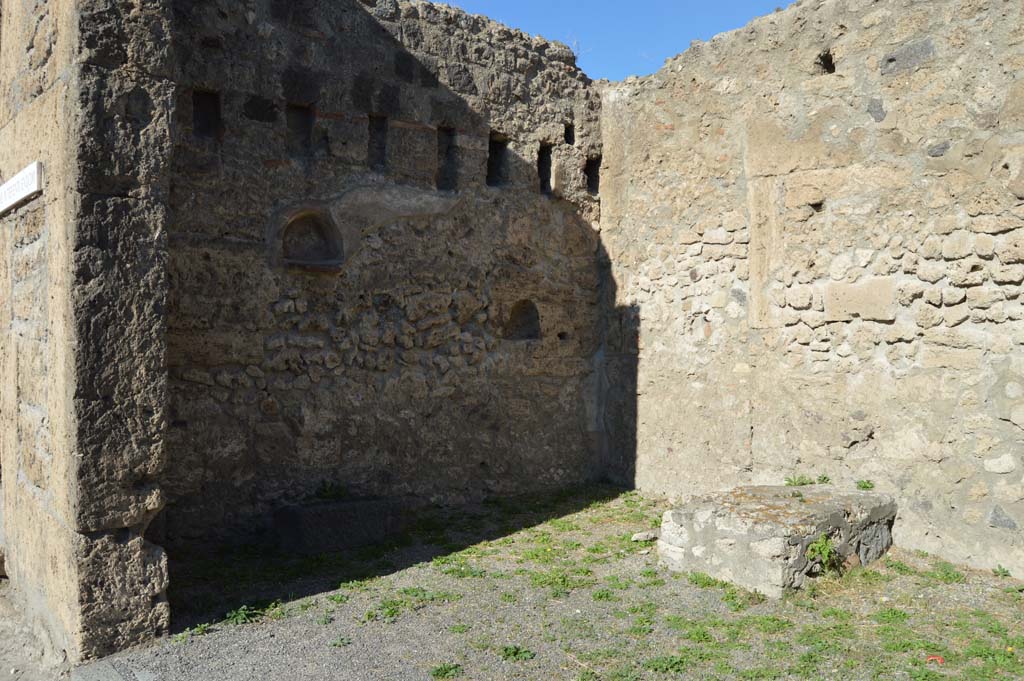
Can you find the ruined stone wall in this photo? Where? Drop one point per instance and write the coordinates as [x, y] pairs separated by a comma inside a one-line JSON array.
[[354, 312], [820, 220], [81, 341], [36, 467]]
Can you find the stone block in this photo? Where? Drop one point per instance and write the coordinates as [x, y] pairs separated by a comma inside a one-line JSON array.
[[874, 299], [1011, 250], [758, 537], [908, 57], [331, 526]]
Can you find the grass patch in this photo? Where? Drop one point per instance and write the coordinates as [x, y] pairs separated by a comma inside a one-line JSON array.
[[890, 616], [413, 598], [691, 630], [946, 573], [682, 662], [248, 614], [516, 654], [198, 630], [736, 598], [448, 670], [561, 582], [837, 614], [899, 567]]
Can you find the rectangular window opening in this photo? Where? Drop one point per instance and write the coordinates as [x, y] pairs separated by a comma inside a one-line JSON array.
[[377, 154], [206, 114], [593, 173], [300, 129], [544, 168], [570, 133], [497, 160], [447, 160]]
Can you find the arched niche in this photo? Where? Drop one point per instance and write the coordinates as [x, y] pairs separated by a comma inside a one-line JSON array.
[[311, 240], [523, 323]]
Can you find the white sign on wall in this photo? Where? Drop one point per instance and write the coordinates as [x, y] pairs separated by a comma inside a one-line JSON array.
[[21, 188]]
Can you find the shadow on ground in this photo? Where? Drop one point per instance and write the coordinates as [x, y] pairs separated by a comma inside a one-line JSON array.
[[236, 583]]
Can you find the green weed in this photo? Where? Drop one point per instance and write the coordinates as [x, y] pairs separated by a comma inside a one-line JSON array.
[[448, 670], [823, 551], [516, 654]]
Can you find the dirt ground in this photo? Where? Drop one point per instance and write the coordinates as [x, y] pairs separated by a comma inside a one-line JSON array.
[[555, 589]]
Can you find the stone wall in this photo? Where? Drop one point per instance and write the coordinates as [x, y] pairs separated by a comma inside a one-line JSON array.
[[820, 219], [82, 336], [351, 303], [35, 320], [349, 249]]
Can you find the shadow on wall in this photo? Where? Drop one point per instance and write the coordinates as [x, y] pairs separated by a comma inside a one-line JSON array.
[[386, 292]]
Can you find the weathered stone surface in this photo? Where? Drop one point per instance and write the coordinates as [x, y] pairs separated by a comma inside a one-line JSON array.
[[999, 518], [1007, 463], [758, 537], [908, 57], [861, 187], [873, 300]]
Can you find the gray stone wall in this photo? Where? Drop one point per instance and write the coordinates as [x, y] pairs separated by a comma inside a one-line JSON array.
[[343, 281], [819, 217]]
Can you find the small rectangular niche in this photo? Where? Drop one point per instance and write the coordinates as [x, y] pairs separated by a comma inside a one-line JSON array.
[[300, 129], [570, 134], [544, 168], [377, 153], [447, 160], [497, 160], [593, 172], [206, 114]]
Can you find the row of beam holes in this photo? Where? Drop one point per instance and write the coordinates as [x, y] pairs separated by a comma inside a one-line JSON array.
[[207, 122], [592, 169], [308, 243], [497, 159]]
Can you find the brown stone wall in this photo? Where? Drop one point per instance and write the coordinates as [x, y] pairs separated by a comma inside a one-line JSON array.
[[36, 463], [819, 217], [122, 128], [386, 365], [81, 317]]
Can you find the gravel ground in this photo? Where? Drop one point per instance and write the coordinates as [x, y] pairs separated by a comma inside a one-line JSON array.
[[21, 655], [555, 589]]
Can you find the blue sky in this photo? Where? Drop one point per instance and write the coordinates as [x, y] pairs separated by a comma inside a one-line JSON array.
[[617, 38]]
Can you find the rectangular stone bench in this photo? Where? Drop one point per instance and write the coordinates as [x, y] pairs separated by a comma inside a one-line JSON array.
[[759, 537]]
